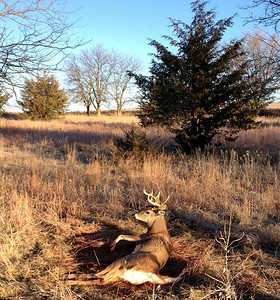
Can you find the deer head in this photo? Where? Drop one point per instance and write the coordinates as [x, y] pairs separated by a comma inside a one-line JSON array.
[[154, 215]]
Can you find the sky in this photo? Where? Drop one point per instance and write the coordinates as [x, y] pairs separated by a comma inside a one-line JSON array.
[[127, 25]]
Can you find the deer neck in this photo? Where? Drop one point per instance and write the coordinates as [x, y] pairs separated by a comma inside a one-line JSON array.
[[159, 226]]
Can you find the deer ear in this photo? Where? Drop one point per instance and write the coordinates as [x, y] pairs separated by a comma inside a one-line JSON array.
[[161, 212]]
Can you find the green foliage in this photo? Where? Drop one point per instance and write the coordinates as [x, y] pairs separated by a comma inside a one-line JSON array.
[[135, 144], [198, 92], [4, 97], [43, 99]]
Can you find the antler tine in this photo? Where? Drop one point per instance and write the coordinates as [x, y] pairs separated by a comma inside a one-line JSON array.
[[146, 193], [151, 196], [157, 197], [166, 200]]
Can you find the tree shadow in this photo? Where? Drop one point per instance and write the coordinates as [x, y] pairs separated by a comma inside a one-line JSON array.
[[56, 137], [12, 116], [57, 144]]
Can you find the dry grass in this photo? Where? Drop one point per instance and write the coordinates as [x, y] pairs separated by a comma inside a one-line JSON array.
[[274, 105], [105, 119], [64, 199], [266, 138]]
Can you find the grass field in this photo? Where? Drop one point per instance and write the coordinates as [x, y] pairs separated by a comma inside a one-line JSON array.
[[64, 198]]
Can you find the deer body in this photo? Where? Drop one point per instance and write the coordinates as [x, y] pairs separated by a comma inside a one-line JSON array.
[[150, 254]]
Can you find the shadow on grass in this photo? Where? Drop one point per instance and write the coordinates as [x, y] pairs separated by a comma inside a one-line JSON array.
[[56, 137], [12, 116]]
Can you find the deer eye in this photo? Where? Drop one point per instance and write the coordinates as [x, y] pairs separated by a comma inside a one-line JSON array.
[[148, 212]]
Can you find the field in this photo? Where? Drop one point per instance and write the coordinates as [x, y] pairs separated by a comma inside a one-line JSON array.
[[65, 197]]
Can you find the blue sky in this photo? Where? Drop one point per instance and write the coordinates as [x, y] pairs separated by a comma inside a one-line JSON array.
[[127, 25]]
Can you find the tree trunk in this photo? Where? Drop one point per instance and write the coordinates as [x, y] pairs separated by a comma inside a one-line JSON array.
[[98, 112], [88, 110], [119, 110]]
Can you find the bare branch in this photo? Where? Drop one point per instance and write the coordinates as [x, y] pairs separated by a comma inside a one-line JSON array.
[[120, 87], [35, 37], [270, 13], [261, 59]]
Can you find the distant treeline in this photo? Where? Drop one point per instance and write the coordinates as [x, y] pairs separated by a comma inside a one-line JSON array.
[[110, 112]]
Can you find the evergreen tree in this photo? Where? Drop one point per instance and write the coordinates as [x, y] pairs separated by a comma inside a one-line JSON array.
[[198, 92], [43, 99]]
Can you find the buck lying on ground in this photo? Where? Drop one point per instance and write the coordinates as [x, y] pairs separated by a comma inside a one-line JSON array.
[[150, 254]]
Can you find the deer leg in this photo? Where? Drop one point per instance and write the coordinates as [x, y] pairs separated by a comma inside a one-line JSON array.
[[129, 238]]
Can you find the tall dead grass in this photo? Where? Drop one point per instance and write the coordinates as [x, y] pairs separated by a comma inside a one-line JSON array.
[[47, 199], [266, 139]]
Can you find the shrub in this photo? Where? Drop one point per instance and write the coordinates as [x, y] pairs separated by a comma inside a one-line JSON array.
[[135, 144]]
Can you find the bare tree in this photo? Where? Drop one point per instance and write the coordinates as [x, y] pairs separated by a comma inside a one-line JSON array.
[[98, 76], [261, 50], [4, 97], [80, 91], [270, 13], [260, 56], [98, 66], [120, 86], [88, 76], [269, 17], [34, 35]]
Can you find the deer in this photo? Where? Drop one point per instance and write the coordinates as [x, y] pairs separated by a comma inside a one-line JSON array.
[[151, 253]]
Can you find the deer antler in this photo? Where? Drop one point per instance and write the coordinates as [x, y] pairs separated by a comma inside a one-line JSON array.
[[156, 201]]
